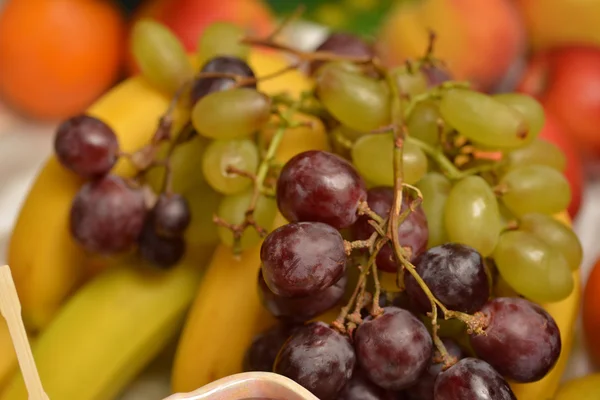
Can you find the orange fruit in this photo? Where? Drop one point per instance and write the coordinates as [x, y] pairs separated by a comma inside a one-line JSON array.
[[58, 56]]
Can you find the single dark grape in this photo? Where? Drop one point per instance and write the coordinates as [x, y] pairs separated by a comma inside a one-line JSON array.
[[522, 341], [436, 75], [413, 232], [318, 358], [86, 146], [322, 187], [222, 64], [161, 251], [261, 354], [456, 276], [361, 388], [343, 43], [302, 258], [393, 349], [301, 309], [472, 379], [171, 215], [423, 389], [107, 215]]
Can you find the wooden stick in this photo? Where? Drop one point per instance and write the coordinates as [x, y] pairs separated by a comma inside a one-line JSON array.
[[10, 307]]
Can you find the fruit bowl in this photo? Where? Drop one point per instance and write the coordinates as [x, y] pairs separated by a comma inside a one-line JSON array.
[[333, 203], [248, 386]]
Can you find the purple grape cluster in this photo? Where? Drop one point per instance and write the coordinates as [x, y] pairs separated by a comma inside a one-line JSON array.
[[109, 214], [391, 355]]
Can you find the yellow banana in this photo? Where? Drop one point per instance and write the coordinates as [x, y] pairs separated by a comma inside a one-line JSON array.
[[583, 388], [110, 330], [47, 264], [8, 358]]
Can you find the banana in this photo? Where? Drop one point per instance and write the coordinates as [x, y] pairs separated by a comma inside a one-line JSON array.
[[8, 358], [47, 264], [110, 330], [583, 388]]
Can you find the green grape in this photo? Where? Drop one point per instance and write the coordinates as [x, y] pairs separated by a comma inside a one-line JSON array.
[[471, 215], [556, 234], [231, 114], [160, 55], [373, 158], [435, 188], [533, 268], [539, 152], [356, 100], [535, 188], [222, 39], [484, 120], [241, 154], [410, 82], [349, 133], [186, 166], [423, 123], [203, 202], [233, 209], [529, 107]]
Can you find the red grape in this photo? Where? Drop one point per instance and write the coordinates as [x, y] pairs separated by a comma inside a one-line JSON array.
[[412, 232], [393, 349], [300, 309], [222, 64], [343, 43], [107, 215], [171, 215], [261, 354], [423, 389], [318, 358], [86, 146], [361, 388], [472, 379], [456, 276], [302, 258], [159, 250], [522, 341], [322, 187], [436, 75]]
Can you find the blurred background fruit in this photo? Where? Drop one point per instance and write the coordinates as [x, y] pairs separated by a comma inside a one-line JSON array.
[[553, 132], [57, 57], [477, 39], [558, 22], [567, 82]]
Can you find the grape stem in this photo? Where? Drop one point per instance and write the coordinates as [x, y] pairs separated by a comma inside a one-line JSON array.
[[474, 323], [258, 181], [361, 244], [357, 298]]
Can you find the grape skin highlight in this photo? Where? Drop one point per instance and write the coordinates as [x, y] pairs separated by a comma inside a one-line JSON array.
[[302, 258]]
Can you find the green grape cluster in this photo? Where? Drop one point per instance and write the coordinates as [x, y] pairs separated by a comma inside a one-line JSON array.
[[502, 206], [491, 205]]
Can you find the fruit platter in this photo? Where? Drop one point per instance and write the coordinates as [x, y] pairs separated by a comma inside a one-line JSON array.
[[318, 222]]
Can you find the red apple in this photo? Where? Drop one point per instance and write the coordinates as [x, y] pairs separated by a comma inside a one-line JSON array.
[[566, 80], [554, 133]]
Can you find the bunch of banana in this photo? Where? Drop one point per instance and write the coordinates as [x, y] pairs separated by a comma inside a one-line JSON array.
[[95, 328]]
